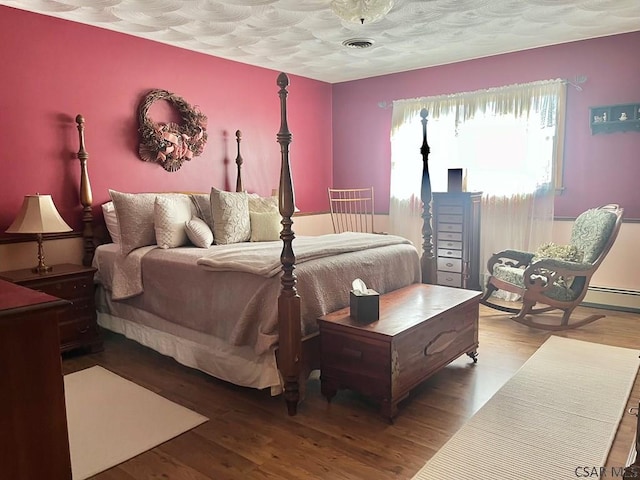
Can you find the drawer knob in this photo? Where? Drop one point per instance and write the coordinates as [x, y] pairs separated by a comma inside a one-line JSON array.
[[449, 264]]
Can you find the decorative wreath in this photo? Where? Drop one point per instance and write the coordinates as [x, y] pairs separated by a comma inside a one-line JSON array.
[[170, 144]]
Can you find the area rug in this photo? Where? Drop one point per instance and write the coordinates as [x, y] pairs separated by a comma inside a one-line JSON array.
[[558, 414], [111, 420]]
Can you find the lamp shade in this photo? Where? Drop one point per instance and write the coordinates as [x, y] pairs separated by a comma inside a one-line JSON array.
[[38, 214]]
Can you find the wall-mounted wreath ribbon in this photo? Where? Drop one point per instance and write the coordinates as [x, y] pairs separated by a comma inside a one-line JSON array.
[[170, 144]]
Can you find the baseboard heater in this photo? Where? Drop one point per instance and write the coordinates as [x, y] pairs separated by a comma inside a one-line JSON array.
[[613, 299]]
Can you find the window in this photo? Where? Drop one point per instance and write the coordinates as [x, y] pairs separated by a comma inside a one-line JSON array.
[[508, 140]]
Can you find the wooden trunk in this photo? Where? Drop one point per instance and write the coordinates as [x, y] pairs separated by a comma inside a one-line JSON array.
[[422, 328]]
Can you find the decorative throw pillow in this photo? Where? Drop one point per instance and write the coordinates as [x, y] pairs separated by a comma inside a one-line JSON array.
[[230, 213], [170, 216], [111, 221], [202, 204], [561, 252], [265, 226], [135, 217], [199, 232], [262, 204]]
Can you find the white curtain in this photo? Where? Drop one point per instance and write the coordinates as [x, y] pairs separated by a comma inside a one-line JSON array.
[[508, 141]]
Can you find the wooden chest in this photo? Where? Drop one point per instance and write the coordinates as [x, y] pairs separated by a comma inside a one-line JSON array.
[[422, 328]]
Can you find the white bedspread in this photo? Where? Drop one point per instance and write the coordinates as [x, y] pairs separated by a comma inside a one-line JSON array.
[[264, 258], [240, 308], [127, 273], [258, 258]]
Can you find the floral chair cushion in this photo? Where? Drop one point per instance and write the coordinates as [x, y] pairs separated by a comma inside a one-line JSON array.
[[591, 231], [515, 276]]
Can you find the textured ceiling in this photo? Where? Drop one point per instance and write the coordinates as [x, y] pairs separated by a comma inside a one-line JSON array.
[[304, 37]]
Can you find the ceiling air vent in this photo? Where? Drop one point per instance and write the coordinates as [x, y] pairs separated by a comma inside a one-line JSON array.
[[358, 43]]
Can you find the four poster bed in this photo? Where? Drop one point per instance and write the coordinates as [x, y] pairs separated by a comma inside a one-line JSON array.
[[191, 304]]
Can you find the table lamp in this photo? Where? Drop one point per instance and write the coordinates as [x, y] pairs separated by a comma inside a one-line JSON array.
[[38, 215]]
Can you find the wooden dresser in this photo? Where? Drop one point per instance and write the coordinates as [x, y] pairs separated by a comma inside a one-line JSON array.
[[78, 323], [34, 442], [456, 239]]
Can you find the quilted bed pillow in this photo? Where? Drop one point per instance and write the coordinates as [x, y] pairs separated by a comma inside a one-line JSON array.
[[202, 204], [111, 221], [199, 232], [136, 212], [265, 226], [230, 212], [135, 217], [170, 215], [260, 204]]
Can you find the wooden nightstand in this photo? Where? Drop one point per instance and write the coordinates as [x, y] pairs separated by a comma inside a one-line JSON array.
[[77, 324]]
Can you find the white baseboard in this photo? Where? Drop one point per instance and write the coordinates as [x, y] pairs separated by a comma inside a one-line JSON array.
[[613, 298]]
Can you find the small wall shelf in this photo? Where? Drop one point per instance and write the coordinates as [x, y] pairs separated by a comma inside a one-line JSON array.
[[615, 118]]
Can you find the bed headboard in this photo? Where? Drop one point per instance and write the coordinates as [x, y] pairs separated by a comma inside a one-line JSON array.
[[94, 235]]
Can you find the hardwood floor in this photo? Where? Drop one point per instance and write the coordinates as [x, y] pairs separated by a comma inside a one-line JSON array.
[[250, 436]]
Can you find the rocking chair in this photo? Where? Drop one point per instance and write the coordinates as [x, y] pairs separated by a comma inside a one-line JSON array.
[[558, 283]]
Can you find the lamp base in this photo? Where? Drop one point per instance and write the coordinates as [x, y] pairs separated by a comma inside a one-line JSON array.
[[42, 269]]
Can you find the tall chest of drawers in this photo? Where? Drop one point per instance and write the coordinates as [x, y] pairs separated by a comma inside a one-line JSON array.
[[456, 217]]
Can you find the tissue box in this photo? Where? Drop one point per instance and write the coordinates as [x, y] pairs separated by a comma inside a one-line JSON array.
[[365, 308]]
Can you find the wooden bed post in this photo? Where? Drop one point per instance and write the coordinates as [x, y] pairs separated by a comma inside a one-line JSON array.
[[289, 316], [239, 160], [86, 198], [428, 262]]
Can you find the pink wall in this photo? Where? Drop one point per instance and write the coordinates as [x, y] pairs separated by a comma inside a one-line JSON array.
[[599, 169], [54, 69]]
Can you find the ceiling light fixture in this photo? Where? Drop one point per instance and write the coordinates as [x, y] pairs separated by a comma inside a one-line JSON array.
[[361, 11]]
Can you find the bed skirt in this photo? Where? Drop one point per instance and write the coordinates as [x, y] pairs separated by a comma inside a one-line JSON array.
[[237, 365]]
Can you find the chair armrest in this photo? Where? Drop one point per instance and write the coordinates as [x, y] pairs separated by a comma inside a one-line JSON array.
[[512, 258], [566, 266], [542, 274]]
